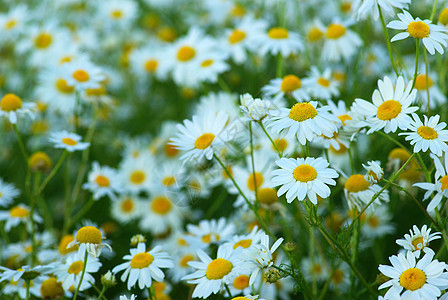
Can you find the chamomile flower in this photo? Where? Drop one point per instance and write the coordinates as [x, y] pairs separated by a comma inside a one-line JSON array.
[[423, 83], [428, 135], [13, 21], [304, 177], [377, 223], [136, 174], [209, 232], [314, 269], [247, 240], [211, 65], [321, 84], [418, 240], [304, 121], [433, 36], [340, 42], [144, 266], [254, 109], [440, 187], [103, 181], [390, 108], [70, 271], [11, 106], [211, 274], [365, 8], [413, 280], [119, 12], [201, 136], [358, 192], [19, 214], [277, 89], [374, 171], [7, 193], [68, 141], [148, 61], [279, 40], [89, 238], [82, 74], [126, 208]]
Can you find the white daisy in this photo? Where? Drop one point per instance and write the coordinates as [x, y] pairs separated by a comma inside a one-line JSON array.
[[440, 187], [11, 106], [418, 240], [304, 177], [433, 36], [209, 232], [364, 8], [211, 275], [279, 40], [89, 238], [374, 171], [7, 193], [390, 108], [423, 83], [305, 121], [421, 280], [247, 240], [148, 61], [68, 141], [277, 89], [377, 223], [118, 12], [321, 84], [126, 208], [19, 214], [211, 65], [201, 136], [144, 266], [340, 42], [136, 174], [82, 74], [314, 269], [103, 181], [427, 135], [358, 192]]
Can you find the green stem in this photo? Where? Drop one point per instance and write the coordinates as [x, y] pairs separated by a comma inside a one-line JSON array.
[[86, 207], [389, 45], [27, 283], [417, 47], [425, 55], [269, 137], [228, 290], [223, 85], [253, 164], [86, 255], [279, 71], [53, 172], [103, 290], [37, 178], [355, 252], [21, 145], [433, 12], [350, 157], [307, 290]]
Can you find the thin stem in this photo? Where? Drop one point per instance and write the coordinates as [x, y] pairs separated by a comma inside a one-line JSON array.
[[269, 137], [279, 71], [85, 208], [228, 290], [97, 290], [53, 172], [21, 145], [350, 157], [253, 163], [433, 12], [223, 85], [417, 47], [86, 255], [355, 252], [27, 283], [389, 45], [103, 290], [425, 55]]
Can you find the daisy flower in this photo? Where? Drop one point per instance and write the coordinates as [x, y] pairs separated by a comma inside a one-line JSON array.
[[364, 8], [211, 274], [89, 238], [358, 192], [12, 22], [7, 193], [126, 209], [411, 280], [239, 284], [423, 83], [433, 36], [305, 121], [211, 65], [304, 177], [68, 141], [277, 89], [443, 17], [418, 240], [314, 269], [440, 187], [103, 181], [374, 171], [17, 215], [279, 40], [321, 84], [377, 223], [11, 106], [201, 136], [82, 74], [51, 288], [390, 108], [208, 232], [70, 271], [427, 135], [118, 12], [135, 173], [340, 42], [148, 61], [247, 240], [260, 257], [144, 266]]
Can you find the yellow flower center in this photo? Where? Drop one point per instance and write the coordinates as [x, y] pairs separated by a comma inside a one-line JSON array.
[[290, 83], [356, 183], [240, 298], [302, 111], [388, 110], [218, 268], [76, 267], [170, 150], [418, 29], [316, 269], [65, 59], [10, 102], [51, 289], [43, 40], [204, 141], [443, 181], [256, 181], [278, 33], [141, 260], [40, 161], [443, 17], [10, 24], [338, 277], [102, 181], [169, 181], [63, 87], [323, 82], [185, 259], [314, 34], [346, 7], [208, 237], [116, 14], [304, 173], [267, 196], [344, 118], [399, 153], [69, 141], [373, 222], [412, 279], [281, 144], [137, 177], [127, 205], [335, 31], [186, 53], [166, 34], [416, 241], [238, 11], [89, 234], [81, 76], [182, 242], [420, 82], [19, 212], [161, 205], [243, 243], [427, 133], [67, 239], [236, 36], [207, 63], [241, 282], [97, 92], [151, 65]]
